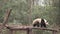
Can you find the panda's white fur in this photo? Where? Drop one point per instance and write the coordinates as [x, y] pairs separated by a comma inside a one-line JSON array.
[[39, 20]]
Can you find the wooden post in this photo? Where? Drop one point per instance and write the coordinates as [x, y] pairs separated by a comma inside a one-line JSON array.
[[13, 31], [54, 32], [10, 31], [29, 31]]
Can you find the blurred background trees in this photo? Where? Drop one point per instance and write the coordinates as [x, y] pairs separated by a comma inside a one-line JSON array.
[[25, 11]]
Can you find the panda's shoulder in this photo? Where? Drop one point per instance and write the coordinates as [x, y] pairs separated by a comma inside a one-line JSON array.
[[37, 19], [45, 20]]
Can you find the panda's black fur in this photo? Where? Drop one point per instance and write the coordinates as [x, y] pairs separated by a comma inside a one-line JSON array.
[[43, 23], [39, 24]]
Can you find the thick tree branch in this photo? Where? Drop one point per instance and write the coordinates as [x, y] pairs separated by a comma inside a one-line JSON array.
[[29, 27]]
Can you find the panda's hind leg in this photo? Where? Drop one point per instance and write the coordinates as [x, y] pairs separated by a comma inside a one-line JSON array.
[[34, 25]]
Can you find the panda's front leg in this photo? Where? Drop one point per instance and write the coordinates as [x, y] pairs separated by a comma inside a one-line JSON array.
[[37, 25], [43, 25]]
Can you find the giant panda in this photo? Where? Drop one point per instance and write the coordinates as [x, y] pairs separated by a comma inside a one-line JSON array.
[[40, 22]]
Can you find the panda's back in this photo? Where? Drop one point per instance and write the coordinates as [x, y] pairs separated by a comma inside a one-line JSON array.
[[37, 20]]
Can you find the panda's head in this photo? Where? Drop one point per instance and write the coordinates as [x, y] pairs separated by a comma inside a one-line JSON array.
[[46, 22]]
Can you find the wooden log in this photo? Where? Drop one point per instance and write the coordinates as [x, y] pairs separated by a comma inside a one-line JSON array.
[[29, 27]]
